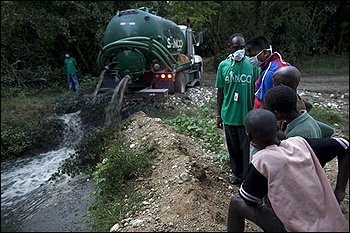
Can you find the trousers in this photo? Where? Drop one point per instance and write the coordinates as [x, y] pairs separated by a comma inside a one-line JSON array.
[[238, 148], [73, 83]]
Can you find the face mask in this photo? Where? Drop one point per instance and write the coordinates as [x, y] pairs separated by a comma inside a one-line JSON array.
[[254, 60], [239, 55]]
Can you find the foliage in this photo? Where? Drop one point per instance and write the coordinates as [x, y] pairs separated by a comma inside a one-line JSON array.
[[294, 28], [200, 126], [119, 164], [22, 119], [18, 139], [89, 152], [88, 84], [33, 50], [107, 212], [29, 45]]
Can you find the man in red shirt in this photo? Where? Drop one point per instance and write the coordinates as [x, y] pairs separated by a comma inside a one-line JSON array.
[[260, 54]]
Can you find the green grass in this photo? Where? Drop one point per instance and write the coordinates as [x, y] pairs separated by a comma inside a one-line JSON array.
[[316, 65], [21, 121], [324, 65], [23, 111], [199, 124], [331, 118], [115, 195]]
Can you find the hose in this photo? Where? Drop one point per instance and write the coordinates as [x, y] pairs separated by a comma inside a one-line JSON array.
[[145, 43]]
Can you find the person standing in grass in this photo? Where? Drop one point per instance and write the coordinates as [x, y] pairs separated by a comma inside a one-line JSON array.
[[70, 65], [235, 80]]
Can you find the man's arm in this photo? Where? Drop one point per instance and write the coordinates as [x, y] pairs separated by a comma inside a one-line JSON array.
[[254, 187], [326, 149], [326, 130], [219, 101], [219, 84]]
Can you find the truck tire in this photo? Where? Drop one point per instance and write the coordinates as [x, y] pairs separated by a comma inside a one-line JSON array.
[[198, 74], [180, 84], [199, 77]]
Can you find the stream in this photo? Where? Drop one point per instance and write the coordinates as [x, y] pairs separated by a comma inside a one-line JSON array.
[[32, 203]]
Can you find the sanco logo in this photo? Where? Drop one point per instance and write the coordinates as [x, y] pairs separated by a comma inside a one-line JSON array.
[[174, 43], [243, 78]]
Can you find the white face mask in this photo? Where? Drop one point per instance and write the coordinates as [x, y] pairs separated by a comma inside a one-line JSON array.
[[254, 60], [238, 55]]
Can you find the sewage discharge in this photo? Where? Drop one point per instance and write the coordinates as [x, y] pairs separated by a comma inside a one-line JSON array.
[[114, 106]]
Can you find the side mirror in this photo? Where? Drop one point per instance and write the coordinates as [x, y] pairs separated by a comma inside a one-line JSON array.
[[199, 38]]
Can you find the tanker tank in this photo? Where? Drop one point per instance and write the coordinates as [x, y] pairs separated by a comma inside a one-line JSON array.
[[135, 38]]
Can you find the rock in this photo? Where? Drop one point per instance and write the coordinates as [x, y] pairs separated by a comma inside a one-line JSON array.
[[145, 203], [115, 227], [184, 176], [136, 223]]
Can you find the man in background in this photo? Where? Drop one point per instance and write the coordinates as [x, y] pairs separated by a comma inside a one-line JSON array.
[[70, 67]]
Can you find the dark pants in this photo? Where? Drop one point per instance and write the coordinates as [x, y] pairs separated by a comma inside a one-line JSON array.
[[261, 214], [238, 148], [73, 83]]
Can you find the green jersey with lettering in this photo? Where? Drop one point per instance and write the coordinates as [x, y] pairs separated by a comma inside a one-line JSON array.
[[237, 79], [69, 64]]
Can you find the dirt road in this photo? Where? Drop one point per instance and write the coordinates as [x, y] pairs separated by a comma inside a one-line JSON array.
[[327, 91], [324, 84]]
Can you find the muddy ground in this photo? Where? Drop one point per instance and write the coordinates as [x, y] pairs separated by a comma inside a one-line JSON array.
[[187, 188]]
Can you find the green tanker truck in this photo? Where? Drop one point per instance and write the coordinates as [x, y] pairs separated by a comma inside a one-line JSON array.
[[157, 55]]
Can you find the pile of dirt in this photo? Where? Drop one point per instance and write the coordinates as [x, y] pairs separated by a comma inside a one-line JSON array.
[[187, 189]]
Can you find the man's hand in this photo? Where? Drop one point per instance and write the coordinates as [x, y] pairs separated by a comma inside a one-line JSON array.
[[219, 122]]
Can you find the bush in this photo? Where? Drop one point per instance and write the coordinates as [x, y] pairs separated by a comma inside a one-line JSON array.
[[114, 196], [19, 138], [201, 126], [120, 164]]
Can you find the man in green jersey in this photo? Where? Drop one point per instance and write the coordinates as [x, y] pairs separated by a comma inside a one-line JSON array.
[[235, 80], [70, 67], [282, 101]]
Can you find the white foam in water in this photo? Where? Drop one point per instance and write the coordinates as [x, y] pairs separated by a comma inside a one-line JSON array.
[[20, 181], [25, 175]]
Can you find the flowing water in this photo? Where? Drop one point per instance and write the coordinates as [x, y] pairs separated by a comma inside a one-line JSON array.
[[30, 202], [98, 86], [114, 106]]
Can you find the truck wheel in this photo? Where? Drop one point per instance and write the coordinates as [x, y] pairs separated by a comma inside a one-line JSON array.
[[180, 82], [198, 74], [199, 77]]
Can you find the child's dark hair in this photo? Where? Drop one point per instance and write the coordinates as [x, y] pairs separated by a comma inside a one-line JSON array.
[[281, 99]]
